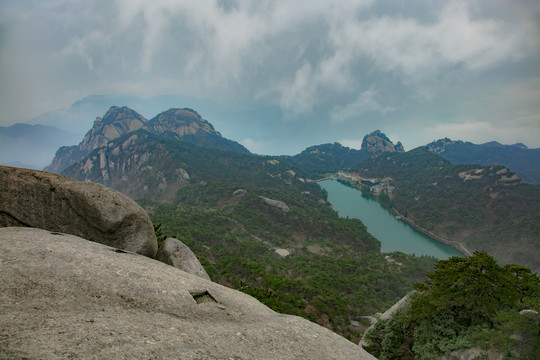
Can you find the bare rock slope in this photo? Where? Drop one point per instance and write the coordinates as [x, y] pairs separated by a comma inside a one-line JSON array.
[[92, 211], [65, 297]]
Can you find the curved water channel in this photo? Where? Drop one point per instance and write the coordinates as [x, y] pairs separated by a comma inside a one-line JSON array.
[[394, 235]]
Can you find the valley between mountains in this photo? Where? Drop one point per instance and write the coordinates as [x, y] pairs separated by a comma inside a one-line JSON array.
[[262, 225]]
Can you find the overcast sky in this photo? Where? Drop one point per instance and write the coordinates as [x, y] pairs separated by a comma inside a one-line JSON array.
[[279, 76]]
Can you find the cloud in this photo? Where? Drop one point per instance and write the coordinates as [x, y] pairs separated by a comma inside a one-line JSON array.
[[365, 102], [318, 61], [352, 143]]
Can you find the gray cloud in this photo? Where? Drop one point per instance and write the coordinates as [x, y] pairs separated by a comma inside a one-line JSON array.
[[326, 62]]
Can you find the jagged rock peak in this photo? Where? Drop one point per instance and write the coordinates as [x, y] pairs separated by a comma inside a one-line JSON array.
[[179, 123], [377, 143], [116, 122]]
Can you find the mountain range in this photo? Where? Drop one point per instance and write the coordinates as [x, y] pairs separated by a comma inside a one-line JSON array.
[[184, 124], [18, 144], [518, 157], [480, 207], [257, 223], [261, 224]]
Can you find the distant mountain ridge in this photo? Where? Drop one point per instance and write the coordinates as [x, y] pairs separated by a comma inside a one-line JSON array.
[[31, 146], [327, 158], [517, 157], [481, 207], [180, 124]]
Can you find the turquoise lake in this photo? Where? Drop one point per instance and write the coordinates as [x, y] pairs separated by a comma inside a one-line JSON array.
[[394, 235]]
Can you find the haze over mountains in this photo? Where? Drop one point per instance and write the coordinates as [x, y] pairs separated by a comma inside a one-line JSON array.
[[153, 159], [261, 225], [22, 148]]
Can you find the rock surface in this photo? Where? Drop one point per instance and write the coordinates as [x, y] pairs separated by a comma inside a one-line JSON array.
[[92, 211], [278, 204], [378, 143], [64, 297], [179, 124], [175, 253], [115, 123]]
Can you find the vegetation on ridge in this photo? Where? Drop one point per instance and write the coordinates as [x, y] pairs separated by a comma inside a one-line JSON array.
[[334, 272], [478, 206], [465, 303]]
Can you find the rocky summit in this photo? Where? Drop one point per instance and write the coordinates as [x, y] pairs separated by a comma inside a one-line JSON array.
[[115, 123], [378, 143], [179, 124], [64, 297]]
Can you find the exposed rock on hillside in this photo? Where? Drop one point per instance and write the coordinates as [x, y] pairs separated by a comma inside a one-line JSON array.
[[93, 211], [188, 125], [138, 165], [179, 124], [175, 253], [116, 122], [378, 143], [496, 174], [518, 158], [278, 204], [65, 297]]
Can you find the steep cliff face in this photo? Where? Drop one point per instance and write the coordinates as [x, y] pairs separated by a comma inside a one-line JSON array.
[[138, 164], [378, 143], [116, 122], [179, 124]]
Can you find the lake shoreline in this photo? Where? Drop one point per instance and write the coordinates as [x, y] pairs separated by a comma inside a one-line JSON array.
[[387, 233], [456, 245]]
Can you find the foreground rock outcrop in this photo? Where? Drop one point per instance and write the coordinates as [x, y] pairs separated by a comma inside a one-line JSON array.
[[65, 297], [175, 253], [92, 211]]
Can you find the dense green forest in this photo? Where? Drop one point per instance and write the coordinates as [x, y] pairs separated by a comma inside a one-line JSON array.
[[478, 206], [466, 303], [334, 272], [325, 158]]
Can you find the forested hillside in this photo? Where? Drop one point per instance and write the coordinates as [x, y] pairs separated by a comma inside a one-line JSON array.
[[517, 157], [258, 225], [467, 303], [482, 207]]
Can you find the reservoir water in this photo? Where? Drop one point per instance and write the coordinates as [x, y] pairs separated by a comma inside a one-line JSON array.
[[394, 235]]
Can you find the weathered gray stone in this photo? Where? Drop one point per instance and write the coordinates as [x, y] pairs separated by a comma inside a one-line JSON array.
[[175, 253], [64, 297], [278, 204], [239, 193], [92, 211]]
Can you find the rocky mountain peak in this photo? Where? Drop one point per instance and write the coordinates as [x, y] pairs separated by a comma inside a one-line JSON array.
[[116, 122], [179, 123], [378, 143]]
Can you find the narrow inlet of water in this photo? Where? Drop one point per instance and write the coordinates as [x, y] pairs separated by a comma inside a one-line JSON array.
[[394, 235]]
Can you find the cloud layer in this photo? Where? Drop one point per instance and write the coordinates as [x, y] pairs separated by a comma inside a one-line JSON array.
[[335, 62]]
